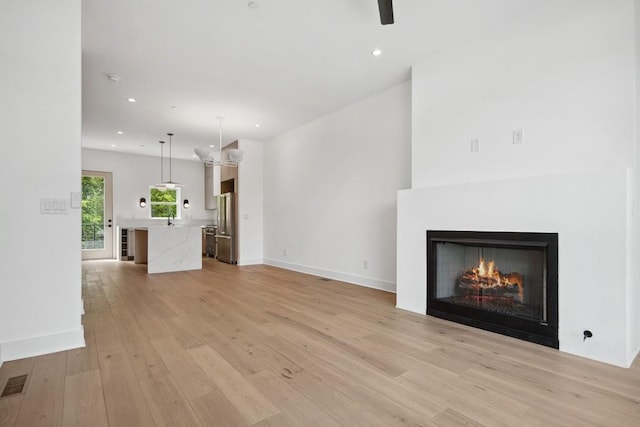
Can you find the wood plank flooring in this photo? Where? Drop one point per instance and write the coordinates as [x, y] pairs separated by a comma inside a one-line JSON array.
[[261, 346]]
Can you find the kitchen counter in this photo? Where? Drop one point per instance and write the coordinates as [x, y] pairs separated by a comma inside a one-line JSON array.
[[148, 222], [169, 248]]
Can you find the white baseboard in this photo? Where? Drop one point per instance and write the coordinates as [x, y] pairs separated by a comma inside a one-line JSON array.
[[82, 305], [250, 261], [44, 344], [335, 275]]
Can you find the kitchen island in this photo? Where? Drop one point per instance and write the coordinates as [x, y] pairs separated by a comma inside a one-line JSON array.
[[169, 248]]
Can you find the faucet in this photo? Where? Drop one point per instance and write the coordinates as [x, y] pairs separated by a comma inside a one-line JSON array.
[[169, 219]]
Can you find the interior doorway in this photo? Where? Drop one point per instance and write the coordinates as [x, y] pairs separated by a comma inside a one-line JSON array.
[[97, 215]]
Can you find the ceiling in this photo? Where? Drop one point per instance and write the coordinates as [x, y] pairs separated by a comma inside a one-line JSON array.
[[281, 64]]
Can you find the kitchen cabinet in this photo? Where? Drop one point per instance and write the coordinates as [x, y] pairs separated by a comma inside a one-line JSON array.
[[210, 187], [224, 173], [212, 183], [228, 174]]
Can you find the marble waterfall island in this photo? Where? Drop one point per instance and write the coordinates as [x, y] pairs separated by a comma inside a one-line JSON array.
[[172, 248]]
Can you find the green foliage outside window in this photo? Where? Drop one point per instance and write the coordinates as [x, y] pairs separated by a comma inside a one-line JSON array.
[[92, 212], [164, 203]]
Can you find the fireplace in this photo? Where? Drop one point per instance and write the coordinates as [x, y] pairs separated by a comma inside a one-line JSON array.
[[503, 282]]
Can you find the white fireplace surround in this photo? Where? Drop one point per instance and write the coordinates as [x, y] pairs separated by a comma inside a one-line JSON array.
[[567, 73], [588, 210]]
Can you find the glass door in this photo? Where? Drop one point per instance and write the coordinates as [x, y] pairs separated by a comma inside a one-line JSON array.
[[97, 224]]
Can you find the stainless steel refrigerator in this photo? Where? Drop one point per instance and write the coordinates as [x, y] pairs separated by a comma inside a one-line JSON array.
[[226, 235]]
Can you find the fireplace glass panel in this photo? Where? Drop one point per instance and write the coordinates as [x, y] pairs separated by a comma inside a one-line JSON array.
[[504, 280]]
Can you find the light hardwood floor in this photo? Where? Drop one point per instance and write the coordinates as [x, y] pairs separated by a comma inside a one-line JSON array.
[[237, 346]]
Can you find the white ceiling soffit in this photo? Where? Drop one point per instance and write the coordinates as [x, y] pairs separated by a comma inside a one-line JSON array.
[[281, 64]]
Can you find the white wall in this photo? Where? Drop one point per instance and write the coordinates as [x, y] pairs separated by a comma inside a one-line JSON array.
[[250, 203], [565, 74], [132, 176], [634, 283], [40, 106], [330, 191], [633, 268]]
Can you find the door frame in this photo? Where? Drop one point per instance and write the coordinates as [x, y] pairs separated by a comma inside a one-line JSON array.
[[109, 234]]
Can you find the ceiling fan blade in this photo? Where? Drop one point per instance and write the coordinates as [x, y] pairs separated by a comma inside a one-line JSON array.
[[386, 11]]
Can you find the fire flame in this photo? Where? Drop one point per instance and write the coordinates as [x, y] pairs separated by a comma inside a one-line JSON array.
[[489, 271], [493, 277], [486, 272]]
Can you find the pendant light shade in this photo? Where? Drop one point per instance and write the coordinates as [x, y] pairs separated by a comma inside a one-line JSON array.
[[214, 158]]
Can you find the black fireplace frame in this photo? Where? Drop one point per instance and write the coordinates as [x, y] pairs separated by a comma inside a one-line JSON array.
[[517, 327]]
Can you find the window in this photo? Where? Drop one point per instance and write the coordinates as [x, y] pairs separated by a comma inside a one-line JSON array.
[[164, 202]]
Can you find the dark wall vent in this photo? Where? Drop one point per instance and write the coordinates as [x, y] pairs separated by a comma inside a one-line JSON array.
[[14, 385]]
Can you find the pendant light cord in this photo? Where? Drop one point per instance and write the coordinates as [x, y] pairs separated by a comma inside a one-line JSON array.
[[170, 137], [161, 161], [220, 118]]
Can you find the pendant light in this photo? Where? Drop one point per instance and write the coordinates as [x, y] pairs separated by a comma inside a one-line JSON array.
[[164, 185], [170, 183], [234, 156]]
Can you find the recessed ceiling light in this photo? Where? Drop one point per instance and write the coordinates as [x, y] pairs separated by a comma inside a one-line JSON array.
[[113, 145], [211, 146], [173, 107], [131, 99], [257, 125], [376, 52], [193, 155], [253, 5], [120, 132], [113, 77], [141, 145]]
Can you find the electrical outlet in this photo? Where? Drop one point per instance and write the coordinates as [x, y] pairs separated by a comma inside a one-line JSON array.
[[365, 264], [518, 136], [475, 145]]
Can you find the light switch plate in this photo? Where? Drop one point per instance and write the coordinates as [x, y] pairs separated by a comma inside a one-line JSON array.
[[76, 199], [475, 145], [53, 206]]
